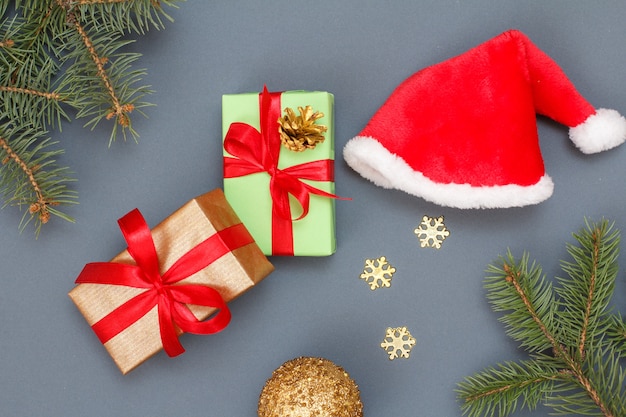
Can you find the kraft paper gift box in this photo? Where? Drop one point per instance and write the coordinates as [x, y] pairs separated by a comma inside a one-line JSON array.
[[249, 191], [208, 217]]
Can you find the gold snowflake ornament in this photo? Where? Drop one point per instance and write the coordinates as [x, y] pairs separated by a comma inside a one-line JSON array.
[[432, 232], [378, 273], [398, 342], [299, 133]]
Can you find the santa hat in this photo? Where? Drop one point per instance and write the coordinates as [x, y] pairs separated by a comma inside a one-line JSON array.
[[463, 133]]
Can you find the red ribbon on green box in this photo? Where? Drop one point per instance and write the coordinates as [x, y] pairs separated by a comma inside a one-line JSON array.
[[258, 151]]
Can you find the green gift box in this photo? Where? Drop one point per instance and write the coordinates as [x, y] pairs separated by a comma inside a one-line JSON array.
[[247, 175]]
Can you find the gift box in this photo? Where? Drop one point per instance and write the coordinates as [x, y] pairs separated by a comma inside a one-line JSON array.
[[284, 197], [173, 279]]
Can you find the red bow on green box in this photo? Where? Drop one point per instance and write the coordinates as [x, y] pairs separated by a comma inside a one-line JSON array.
[[256, 151]]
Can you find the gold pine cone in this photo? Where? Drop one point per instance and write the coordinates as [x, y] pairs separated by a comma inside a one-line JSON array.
[[299, 133]]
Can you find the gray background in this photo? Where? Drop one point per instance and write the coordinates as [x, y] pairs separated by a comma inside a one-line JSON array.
[[51, 364]]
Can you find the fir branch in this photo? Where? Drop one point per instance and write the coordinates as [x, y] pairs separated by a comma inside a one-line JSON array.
[[102, 84], [500, 390], [30, 92], [586, 292], [26, 94], [63, 60], [26, 154], [583, 374], [520, 289], [125, 15], [119, 110], [601, 369]]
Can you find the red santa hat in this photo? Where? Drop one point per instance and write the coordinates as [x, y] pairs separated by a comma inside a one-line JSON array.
[[463, 133]]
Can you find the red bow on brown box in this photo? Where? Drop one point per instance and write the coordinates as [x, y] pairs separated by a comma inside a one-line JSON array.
[[176, 278]]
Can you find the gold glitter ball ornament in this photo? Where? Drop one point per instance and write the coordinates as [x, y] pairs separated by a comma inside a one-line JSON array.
[[310, 387], [299, 133]]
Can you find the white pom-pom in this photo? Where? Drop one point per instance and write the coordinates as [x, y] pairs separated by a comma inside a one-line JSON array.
[[600, 132]]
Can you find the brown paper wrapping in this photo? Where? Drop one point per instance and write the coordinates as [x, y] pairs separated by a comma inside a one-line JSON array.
[[230, 275]]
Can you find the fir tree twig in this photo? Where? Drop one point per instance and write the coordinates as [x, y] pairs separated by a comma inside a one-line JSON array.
[[575, 344], [62, 60], [28, 160]]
